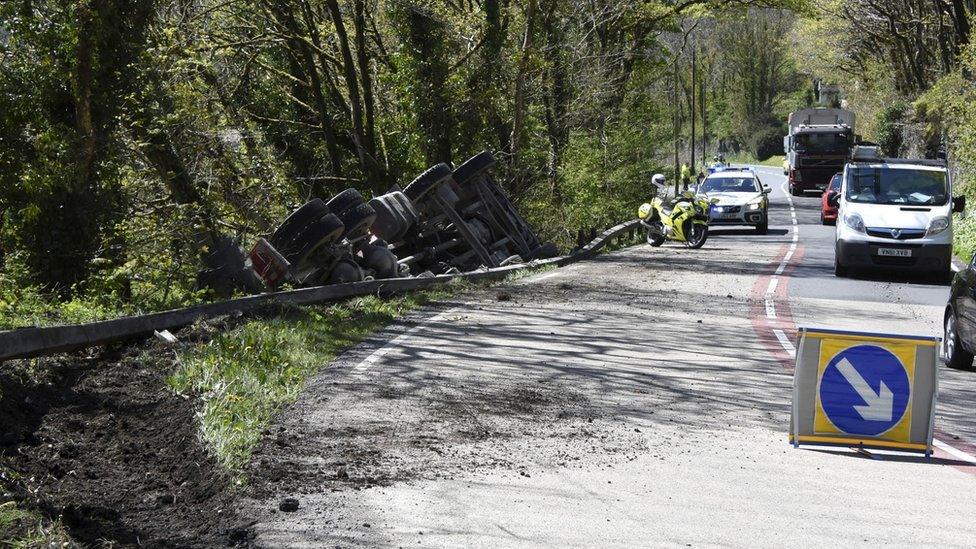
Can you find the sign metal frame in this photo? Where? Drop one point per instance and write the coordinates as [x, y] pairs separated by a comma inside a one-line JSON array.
[[805, 397]]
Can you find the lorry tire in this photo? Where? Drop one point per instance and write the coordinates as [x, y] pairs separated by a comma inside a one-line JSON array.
[[345, 270], [357, 217], [473, 166], [427, 182], [298, 221], [395, 216], [344, 201], [323, 232]]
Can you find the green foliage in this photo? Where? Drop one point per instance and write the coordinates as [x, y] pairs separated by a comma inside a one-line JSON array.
[[130, 128], [22, 527], [890, 121]]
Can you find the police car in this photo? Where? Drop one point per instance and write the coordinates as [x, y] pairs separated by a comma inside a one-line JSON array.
[[742, 198]]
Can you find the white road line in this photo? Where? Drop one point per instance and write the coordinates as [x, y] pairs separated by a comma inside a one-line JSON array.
[[770, 292], [785, 342], [955, 452], [397, 341], [788, 345]]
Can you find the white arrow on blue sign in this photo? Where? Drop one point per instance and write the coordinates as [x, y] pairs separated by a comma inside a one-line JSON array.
[[865, 390]]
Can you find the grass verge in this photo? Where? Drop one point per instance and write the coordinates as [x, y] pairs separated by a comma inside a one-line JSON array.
[[245, 375], [23, 528], [774, 161], [964, 236]]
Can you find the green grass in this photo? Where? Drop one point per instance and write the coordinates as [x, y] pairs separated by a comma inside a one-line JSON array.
[[244, 376], [22, 528], [775, 161], [964, 237]]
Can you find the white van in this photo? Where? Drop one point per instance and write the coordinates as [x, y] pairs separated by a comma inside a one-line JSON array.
[[895, 214]]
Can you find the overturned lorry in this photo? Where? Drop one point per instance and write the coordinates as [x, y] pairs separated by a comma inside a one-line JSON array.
[[446, 220]]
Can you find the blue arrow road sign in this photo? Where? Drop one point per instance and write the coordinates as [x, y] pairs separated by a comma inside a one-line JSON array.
[[865, 390]]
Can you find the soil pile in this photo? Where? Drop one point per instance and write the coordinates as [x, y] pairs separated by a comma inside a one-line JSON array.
[[102, 443]]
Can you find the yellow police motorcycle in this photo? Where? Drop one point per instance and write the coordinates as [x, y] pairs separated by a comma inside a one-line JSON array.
[[683, 218]]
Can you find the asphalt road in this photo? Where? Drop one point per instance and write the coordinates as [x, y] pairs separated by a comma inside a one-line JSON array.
[[640, 399]]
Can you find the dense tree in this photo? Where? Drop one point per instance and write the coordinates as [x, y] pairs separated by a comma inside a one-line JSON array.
[[135, 132]]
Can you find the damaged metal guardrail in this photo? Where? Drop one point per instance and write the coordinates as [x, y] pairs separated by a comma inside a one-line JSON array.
[[32, 342]]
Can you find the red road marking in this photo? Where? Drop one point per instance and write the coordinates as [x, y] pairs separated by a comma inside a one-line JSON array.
[[764, 328]]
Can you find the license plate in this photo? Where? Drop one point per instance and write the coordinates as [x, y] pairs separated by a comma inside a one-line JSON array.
[[894, 252]]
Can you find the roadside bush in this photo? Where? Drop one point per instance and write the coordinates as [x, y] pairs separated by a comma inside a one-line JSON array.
[[766, 142], [891, 119]]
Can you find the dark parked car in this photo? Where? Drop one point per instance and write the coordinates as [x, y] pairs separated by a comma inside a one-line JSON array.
[[959, 341]]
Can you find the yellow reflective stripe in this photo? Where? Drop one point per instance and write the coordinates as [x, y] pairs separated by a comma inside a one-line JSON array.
[[876, 339]]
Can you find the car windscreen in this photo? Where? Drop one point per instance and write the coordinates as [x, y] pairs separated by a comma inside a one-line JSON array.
[[729, 185], [822, 143], [880, 185], [835, 182]]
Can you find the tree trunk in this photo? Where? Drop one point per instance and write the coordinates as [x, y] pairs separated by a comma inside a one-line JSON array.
[[519, 107]]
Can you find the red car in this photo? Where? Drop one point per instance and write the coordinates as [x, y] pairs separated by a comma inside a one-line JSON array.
[[828, 213]]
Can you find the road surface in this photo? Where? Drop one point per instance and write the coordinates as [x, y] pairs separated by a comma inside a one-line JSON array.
[[640, 399]]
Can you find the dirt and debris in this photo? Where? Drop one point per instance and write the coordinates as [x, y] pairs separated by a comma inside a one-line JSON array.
[[102, 444]]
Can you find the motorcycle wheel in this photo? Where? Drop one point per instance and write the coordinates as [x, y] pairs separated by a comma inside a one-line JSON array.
[[698, 236], [654, 238]]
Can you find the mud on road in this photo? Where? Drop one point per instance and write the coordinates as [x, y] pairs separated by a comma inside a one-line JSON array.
[[538, 375]]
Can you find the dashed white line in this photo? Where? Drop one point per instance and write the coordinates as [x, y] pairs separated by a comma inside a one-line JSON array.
[[780, 269], [788, 345], [397, 341], [785, 342]]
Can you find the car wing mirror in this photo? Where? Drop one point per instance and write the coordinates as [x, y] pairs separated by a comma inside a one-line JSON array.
[[959, 204], [834, 199], [767, 189]]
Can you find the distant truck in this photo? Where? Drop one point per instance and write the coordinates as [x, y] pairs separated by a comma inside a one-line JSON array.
[[817, 147]]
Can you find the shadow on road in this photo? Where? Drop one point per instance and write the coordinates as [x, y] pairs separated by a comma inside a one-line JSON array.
[[894, 458], [746, 231]]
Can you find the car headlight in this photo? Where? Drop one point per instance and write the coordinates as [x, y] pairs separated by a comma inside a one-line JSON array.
[[855, 222], [937, 225], [753, 206], [718, 209]]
